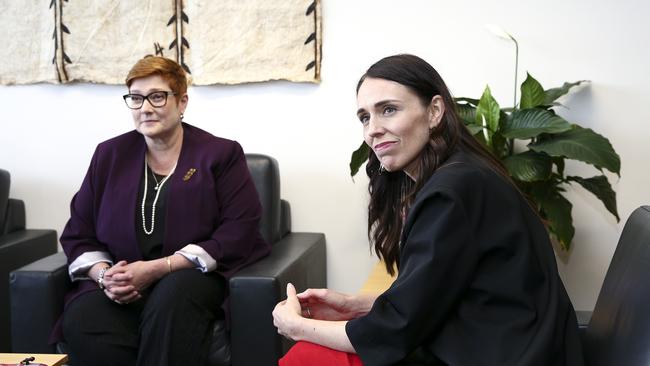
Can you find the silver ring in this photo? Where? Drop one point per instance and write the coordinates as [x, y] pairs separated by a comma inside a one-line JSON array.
[[118, 301], [308, 312]]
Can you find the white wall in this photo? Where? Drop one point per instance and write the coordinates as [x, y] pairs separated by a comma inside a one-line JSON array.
[[48, 132]]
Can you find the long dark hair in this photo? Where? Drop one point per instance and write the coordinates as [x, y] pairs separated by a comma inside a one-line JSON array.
[[391, 193]]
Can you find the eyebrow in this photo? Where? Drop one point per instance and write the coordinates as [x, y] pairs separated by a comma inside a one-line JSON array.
[[378, 104], [152, 90]]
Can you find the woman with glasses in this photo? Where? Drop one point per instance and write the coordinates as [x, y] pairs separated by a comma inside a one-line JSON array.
[[477, 282], [165, 214]]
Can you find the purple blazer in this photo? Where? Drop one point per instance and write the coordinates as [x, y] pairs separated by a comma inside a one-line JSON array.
[[217, 207]]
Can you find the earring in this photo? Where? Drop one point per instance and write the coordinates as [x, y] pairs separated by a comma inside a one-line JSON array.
[[382, 169], [182, 115]]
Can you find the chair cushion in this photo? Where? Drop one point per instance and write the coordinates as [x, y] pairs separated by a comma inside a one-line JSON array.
[[219, 353]]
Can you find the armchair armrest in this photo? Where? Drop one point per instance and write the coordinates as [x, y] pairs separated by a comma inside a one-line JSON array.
[[299, 258], [37, 292], [16, 250]]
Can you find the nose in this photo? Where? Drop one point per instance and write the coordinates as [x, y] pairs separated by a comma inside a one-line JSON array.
[[146, 106], [374, 127]]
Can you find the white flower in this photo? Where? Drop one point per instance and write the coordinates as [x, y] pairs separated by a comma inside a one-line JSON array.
[[499, 32]]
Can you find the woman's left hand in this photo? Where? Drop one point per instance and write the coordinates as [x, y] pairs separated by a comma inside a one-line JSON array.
[[287, 314], [140, 274]]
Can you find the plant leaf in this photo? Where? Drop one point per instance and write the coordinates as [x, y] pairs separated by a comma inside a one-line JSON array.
[[581, 144], [553, 208], [532, 93], [500, 144], [558, 213], [559, 163], [487, 113], [529, 123], [600, 187], [471, 101], [551, 95], [474, 129], [359, 156], [529, 166], [466, 112], [488, 108]]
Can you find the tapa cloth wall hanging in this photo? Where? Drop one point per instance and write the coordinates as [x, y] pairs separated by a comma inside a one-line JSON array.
[[217, 42]]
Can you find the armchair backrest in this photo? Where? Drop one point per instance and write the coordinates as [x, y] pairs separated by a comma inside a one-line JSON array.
[[619, 330], [12, 211], [266, 176]]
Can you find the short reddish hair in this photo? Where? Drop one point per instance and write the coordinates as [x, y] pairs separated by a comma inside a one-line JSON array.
[[168, 69]]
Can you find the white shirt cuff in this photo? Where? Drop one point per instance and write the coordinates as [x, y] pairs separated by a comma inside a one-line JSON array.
[[199, 257], [78, 270]]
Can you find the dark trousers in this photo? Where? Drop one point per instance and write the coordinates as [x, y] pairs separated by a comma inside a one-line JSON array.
[[170, 325]]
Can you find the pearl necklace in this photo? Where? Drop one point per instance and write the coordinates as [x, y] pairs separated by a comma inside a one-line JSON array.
[[158, 188]]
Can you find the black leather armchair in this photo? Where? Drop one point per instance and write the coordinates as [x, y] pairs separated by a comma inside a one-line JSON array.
[[18, 247], [37, 289], [619, 330]]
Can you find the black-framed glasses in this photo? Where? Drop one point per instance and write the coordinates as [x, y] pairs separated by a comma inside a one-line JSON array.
[[156, 99]]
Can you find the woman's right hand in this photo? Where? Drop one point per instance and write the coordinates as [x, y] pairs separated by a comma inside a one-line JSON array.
[[325, 304], [120, 291]]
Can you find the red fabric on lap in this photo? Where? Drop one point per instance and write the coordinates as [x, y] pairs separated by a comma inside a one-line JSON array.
[[305, 353]]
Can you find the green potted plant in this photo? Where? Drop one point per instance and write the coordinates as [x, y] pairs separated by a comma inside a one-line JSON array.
[[533, 142]]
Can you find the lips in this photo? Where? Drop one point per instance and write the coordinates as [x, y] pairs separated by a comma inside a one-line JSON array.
[[384, 145]]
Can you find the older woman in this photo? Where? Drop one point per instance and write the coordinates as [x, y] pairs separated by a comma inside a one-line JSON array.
[[477, 282], [164, 215]]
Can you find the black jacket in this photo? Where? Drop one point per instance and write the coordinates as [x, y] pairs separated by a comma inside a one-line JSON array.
[[477, 283]]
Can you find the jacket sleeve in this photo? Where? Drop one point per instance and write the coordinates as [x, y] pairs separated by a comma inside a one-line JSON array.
[[437, 264], [237, 239], [78, 238]]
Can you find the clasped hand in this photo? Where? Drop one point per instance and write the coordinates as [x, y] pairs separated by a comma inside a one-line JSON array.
[[124, 282], [320, 304]]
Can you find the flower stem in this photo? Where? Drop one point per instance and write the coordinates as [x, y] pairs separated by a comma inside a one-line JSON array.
[[514, 105], [511, 147]]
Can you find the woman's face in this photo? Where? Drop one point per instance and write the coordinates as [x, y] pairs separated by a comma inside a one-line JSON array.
[[396, 124], [157, 122]]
